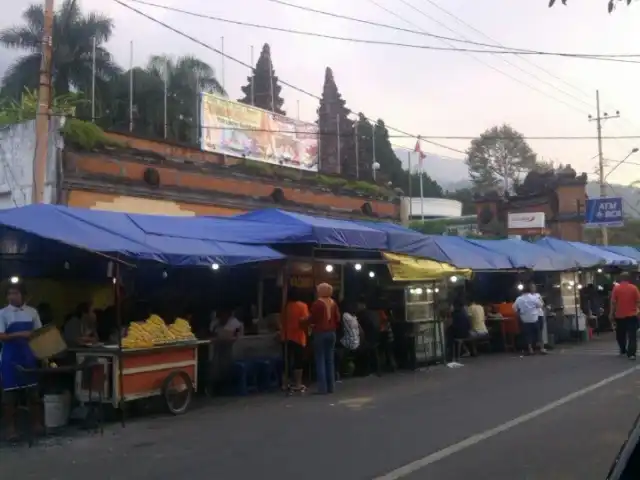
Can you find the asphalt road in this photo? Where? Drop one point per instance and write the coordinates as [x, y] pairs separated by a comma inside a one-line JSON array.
[[501, 416]]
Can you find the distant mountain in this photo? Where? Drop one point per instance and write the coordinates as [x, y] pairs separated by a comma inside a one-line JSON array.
[[444, 170]]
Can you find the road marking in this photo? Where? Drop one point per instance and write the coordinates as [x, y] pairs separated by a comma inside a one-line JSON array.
[[419, 464]]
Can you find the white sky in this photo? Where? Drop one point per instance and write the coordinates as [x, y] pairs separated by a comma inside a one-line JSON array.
[[420, 91]]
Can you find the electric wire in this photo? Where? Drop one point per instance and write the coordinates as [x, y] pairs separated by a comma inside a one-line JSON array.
[[611, 58]]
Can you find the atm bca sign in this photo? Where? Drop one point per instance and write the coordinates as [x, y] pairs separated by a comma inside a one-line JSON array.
[[533, 222]]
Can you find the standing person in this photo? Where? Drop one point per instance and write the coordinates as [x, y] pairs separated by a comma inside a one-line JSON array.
[[324, 320], [529, 306], [293, 333], [625, 299], [17, 322], [370, 322]]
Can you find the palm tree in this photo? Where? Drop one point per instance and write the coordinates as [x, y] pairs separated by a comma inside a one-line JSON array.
[[185, 77], [71, 67]]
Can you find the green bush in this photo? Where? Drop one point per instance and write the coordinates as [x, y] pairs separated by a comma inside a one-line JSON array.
[[327, 181], [365, 187], [86, 135], [258, 168]]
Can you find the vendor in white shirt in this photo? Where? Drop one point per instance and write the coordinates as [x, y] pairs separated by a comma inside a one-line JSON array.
[[17, 322], [529, 307], [226, 326]]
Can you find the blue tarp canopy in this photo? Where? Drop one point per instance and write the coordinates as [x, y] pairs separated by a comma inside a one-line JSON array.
[[116, 233], [459, 252], [610, 258], [528, 255], [585, 259], [623, 250], [322, 231], [399, 238]]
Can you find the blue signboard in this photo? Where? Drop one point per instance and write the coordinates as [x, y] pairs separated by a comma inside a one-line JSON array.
[[604, 212]]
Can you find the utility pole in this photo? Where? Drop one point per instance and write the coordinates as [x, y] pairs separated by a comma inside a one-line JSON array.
[[603, 186], [44, 102]]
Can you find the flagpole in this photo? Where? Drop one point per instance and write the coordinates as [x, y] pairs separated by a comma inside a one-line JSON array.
[[222, 56], [166, 92], [355, 134], [93, 80], [273, 94], [373, 146], [338, 140], [131, 86], [197, 116], [421, 197], [253, 71], [410, 182]]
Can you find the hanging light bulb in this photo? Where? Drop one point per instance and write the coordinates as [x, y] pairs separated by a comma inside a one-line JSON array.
[[358, 267], [418, 291], [165, 274], [520, 287], [215, 266], [454, 279], [372, 274], [599, 270], [14, 280], [437, 290], [329, 268]]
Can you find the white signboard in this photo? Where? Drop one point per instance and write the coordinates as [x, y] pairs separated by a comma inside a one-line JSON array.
[[526, 221]]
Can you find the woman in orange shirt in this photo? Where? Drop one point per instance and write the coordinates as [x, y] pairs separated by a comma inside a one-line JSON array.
[[293, 333], [325, 318]]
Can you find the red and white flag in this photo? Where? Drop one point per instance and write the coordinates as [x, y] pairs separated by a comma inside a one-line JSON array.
[[421, 155]]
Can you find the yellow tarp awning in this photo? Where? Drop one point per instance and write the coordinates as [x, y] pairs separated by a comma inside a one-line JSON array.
[[405, 268]]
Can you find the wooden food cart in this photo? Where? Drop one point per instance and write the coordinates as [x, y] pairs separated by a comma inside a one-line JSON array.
[[119, 376]]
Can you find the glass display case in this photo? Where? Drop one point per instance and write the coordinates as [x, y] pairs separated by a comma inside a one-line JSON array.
[[421, 300]]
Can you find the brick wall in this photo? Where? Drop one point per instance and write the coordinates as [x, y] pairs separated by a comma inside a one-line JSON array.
[[103, 171]]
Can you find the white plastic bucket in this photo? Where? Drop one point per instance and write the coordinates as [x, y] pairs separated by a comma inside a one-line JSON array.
[[56, 410]]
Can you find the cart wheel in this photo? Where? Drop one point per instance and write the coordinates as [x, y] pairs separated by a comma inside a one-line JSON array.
[[177, 391]]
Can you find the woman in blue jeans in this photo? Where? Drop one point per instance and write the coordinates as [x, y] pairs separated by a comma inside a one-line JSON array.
[[324, 320]]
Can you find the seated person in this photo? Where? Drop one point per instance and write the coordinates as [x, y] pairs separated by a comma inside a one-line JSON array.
[[477, 317], [81, 328], [459, 328]]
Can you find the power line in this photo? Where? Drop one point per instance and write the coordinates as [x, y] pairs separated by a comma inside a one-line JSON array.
[[529, 61], [422, 32], [525, 59], [386, 43], [477, 59]]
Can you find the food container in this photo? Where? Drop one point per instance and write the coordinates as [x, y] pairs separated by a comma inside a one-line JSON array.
[[47, 342]]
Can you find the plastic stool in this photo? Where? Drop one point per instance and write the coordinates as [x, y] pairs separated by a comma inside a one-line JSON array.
[[267, 374], [246, 378]]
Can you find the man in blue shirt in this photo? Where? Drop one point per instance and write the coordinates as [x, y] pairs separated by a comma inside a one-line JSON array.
[[17, 322]]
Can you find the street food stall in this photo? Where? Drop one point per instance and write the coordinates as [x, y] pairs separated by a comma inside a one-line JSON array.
[[424, 282], [153, 360]]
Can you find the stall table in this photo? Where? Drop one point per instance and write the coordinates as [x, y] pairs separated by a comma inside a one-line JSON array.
[[146, 373]]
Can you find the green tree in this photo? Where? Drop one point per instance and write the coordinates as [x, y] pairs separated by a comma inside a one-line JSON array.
[[611, 4], [498, 158], [464, 196], [185, 77], [73, 35], [12, 111], [262, 88]]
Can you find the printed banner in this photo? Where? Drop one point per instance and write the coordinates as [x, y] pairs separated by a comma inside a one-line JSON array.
[[235, 129]]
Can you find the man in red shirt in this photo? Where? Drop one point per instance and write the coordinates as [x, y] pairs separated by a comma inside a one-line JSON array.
[[625, 299]]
